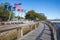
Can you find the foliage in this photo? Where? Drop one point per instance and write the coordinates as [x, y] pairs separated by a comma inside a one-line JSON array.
[[32, 15], [18, 17], [4, 14], [41, 17]]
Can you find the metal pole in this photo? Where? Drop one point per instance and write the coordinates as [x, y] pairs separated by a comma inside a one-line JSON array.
[[24, 12], [21, 15], [18, 16], [9, 16]]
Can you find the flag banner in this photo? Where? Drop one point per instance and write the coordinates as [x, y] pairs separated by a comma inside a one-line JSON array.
[[10, 8], [13, 8], [5, 7], [20, 10], [17, 5]]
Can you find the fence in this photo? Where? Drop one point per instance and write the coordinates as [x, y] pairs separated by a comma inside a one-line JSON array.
[[18, 28], [54, 30]]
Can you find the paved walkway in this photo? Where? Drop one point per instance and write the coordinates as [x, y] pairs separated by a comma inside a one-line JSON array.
[[43, 32], [46, 34]]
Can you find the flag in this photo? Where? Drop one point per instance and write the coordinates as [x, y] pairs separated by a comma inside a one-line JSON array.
[[14, 8], [20, 10], [5, 7], [10, 8], [17, 5]]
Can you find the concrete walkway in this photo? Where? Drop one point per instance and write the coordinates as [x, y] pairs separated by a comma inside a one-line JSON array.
[[41, 33], [46, 34]]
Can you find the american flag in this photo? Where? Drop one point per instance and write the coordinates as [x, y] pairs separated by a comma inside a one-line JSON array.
[[17, 5], [14, 8], [20, 10], [5, 7], [10, 8]]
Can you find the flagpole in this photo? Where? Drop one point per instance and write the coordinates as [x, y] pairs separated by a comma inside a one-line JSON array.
[[18, 16], [21, 15], [24, 13], [9, 16]]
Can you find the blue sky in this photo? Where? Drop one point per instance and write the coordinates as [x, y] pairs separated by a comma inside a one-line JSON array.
[[51, 8]]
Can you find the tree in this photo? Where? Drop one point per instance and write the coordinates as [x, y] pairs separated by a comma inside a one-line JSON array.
[[4, 14], [41, 16], [18, 17], [32, 15]]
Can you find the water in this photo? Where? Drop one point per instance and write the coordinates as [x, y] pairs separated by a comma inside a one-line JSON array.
[[57, 26]]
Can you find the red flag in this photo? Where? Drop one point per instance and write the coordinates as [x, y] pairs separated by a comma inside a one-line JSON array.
[[20, 10], [17, 5]]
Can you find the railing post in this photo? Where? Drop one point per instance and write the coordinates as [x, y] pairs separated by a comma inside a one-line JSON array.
[[30, 27], [35, 26], [19, 33], [54, 34]]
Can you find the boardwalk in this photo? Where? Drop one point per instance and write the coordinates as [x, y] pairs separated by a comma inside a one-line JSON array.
[[43, 32]]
